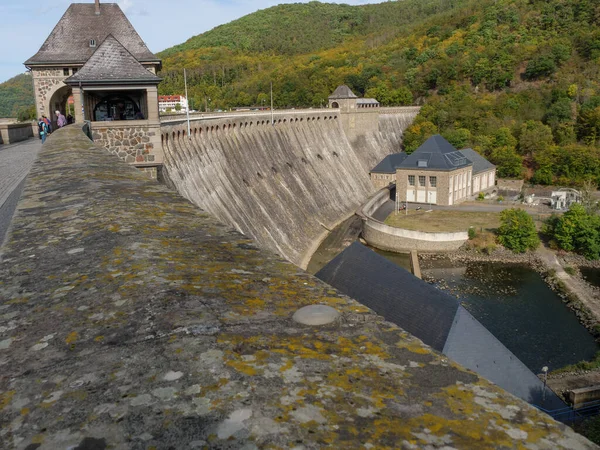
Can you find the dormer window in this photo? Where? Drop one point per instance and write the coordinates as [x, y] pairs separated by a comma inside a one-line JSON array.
[[92, 43], [422, 163]]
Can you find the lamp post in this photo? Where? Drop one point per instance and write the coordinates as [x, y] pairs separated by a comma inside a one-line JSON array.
[[187, 110], [545, 372]]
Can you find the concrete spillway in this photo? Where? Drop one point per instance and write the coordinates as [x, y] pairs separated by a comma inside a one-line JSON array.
[[283, 184]]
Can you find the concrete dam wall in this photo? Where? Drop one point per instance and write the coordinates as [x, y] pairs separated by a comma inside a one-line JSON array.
[[286, 184]]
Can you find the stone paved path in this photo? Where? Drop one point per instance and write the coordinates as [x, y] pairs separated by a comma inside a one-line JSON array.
[[573, 284], [15, 163]]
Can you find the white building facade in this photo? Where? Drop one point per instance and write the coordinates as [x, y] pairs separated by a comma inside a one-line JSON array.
[[168, 103]]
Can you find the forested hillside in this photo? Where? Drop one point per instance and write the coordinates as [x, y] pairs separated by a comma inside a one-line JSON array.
[[518, 80], [16, 97]]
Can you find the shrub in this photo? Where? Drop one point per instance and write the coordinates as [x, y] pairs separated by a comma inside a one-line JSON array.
[[481, 196], [517, 231], [472, 233], [500, 198], [570, 270]]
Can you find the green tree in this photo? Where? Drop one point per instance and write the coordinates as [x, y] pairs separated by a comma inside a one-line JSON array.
[[459, 138], [578, 231], [535, 136], [177, 107], [416, 134], [540, 66], [509, 162], [517, 231]]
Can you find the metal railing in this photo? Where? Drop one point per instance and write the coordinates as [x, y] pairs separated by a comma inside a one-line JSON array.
[[570, 415]]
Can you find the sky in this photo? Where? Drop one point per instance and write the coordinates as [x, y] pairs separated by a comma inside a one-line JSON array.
[[161, 23]]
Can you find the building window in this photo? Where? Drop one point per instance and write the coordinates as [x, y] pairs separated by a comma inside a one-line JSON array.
[[92, 43], [411, 180], [422, 180], [74, 70], [433, 181], [66, 72]]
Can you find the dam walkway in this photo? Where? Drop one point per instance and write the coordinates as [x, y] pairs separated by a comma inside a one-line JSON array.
[[130, 319], [15, 163]]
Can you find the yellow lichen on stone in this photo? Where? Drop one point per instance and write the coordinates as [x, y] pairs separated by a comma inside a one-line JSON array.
[[5, 399], [72, 337]]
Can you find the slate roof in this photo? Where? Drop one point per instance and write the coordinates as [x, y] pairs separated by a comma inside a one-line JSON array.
[[436, 153], [367, 101], [113, 63], [69, 41], [343, 91], [390, 163], [392, 292], [480, 164], [434, 317]]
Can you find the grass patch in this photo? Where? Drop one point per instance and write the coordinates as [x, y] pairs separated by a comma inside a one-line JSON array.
[[484, 242], [581, 365], [442, 221], [570, 270]]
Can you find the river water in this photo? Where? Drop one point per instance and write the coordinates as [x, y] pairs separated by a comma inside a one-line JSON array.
[[511, 300], [517, 306]]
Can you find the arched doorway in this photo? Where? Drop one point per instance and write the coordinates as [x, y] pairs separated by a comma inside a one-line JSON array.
[[59, 101], [116, 106], [335, 105]]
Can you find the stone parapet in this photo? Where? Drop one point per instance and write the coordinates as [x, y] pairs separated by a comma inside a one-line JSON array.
[[15, 132], [131, 319], [134, 141], [385, 237]]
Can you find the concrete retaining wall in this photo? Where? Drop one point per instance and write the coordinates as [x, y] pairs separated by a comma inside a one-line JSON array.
[[15, 132], [282, 184], [382, 236]]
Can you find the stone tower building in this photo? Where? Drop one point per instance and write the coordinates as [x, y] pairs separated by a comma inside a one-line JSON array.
[[359, 116], [95, 55]]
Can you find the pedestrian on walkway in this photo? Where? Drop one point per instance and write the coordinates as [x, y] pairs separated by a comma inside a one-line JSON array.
[[48, 124], [61, 120], [43, 128]]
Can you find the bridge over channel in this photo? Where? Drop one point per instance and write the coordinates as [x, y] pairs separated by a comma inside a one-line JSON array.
[[131, 319]]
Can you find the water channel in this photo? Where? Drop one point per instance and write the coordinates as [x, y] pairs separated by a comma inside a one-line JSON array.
[[511, 300]]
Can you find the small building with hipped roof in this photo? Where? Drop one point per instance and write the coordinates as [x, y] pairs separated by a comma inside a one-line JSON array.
[[95, 55], [436, 173]]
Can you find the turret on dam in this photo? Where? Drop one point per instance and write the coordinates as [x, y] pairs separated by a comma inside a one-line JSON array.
[[283, 179]]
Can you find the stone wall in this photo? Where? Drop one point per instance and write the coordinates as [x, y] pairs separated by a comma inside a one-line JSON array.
[[384, 237], [381, 180], [15, 132], [284, 184], [135, 142], [45, 83], [510, 185]]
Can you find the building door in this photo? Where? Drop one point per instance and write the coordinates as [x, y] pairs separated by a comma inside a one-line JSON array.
[[421, 196], [432, 197], [410, 195]]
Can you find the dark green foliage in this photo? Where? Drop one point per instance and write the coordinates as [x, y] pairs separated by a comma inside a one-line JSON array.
[[472, 232], [576, 231], [590, 428], [26, 113], [517, 231], [540, 66], [292, 29], [528, 68], [16, 96]]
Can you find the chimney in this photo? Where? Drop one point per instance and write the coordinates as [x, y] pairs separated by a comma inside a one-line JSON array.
[[97, 7]]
